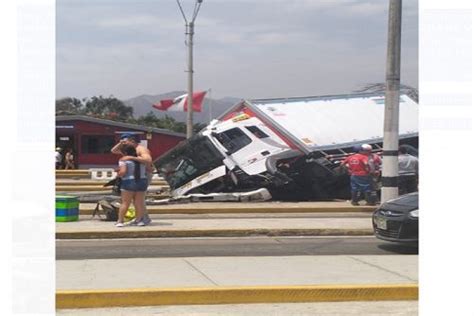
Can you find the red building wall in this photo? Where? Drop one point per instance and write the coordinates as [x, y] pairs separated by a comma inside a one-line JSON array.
[[75, 129]]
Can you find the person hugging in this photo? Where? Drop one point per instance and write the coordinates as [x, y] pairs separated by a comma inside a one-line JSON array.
[[133, 186]]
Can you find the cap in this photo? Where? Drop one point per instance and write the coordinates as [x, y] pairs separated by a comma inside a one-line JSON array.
[[127, 135], [356, 148], [366, 147]]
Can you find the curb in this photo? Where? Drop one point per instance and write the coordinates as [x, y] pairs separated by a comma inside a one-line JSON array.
[[233, 295], [72, 174], [81, 188], [91, 188], [98, 182], [235, 210], [211, 233]]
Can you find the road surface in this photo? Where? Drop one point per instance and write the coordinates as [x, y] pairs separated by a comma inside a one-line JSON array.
[[241, 246]]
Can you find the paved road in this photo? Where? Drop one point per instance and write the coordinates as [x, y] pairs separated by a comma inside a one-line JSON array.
[[210, 247]]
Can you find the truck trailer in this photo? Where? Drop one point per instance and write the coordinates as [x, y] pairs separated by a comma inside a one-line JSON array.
[[291, 146]]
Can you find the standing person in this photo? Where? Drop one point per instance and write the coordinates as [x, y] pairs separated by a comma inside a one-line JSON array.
[[69, 159], [59, 157], [133, 186], [374, 162], [358, 167], [407, 171], [143, 156]]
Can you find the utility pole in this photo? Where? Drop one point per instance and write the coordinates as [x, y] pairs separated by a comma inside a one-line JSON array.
[[392, 103], [189, 118], [189, 42]]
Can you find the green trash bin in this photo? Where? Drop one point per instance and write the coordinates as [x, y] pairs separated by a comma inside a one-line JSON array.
[[67, 208]]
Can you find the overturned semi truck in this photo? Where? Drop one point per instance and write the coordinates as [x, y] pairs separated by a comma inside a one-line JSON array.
[[291, 146]]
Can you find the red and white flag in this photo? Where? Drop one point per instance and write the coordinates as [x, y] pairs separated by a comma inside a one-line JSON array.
[[180, 103]]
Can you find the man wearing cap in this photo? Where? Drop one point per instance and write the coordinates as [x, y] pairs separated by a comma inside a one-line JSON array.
[[143, 156], [358, 167]]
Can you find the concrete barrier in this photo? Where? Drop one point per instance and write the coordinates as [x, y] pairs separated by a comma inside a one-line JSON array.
[[102, 173], [72, 182], [82, 188], [87, 174], [72, 174]]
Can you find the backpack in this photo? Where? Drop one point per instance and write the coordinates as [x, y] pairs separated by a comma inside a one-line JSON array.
[[110, 210], [107, 209]]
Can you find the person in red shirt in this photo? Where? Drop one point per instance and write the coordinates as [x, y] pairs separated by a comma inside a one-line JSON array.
[[358, 167]]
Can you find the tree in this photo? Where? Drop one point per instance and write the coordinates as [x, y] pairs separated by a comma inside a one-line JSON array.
[[167, 122], [111, 108], [149, 119], [69, 106], [380, 87], [170, 123]]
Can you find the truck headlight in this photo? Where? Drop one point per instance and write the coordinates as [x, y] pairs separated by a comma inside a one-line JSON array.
[[414, 213]]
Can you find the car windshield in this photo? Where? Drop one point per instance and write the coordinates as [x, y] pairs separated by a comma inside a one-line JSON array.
[[188, 160]]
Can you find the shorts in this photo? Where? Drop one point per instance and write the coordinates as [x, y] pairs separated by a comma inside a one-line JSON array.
[[361, 183], [133, 185]]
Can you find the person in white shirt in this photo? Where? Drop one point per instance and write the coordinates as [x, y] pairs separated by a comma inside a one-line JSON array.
[[407, 172], [59, 157]]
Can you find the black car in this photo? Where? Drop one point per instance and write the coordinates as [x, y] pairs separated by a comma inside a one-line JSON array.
[[397, 220]]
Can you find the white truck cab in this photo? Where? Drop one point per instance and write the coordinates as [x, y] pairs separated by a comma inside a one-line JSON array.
[[246, 142]]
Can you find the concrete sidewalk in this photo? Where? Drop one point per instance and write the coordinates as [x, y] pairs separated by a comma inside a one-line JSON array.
[[219, 280], [219, 226]]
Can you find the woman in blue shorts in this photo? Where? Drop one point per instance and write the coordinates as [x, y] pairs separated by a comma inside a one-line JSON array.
[[133, 186]]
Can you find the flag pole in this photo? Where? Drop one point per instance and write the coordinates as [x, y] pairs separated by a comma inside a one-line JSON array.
[[210, 105]]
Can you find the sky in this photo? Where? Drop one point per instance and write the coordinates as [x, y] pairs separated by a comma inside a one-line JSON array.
[[243, 48]]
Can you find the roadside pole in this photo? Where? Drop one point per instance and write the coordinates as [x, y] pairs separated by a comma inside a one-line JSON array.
[[392, 104], [189, 42], [189, 119]]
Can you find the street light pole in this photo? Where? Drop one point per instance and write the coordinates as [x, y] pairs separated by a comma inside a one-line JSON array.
[[189, 118], [392, 104], [189, 42]]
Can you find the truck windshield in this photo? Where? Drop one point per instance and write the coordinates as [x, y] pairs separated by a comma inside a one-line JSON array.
[[188, 160]]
